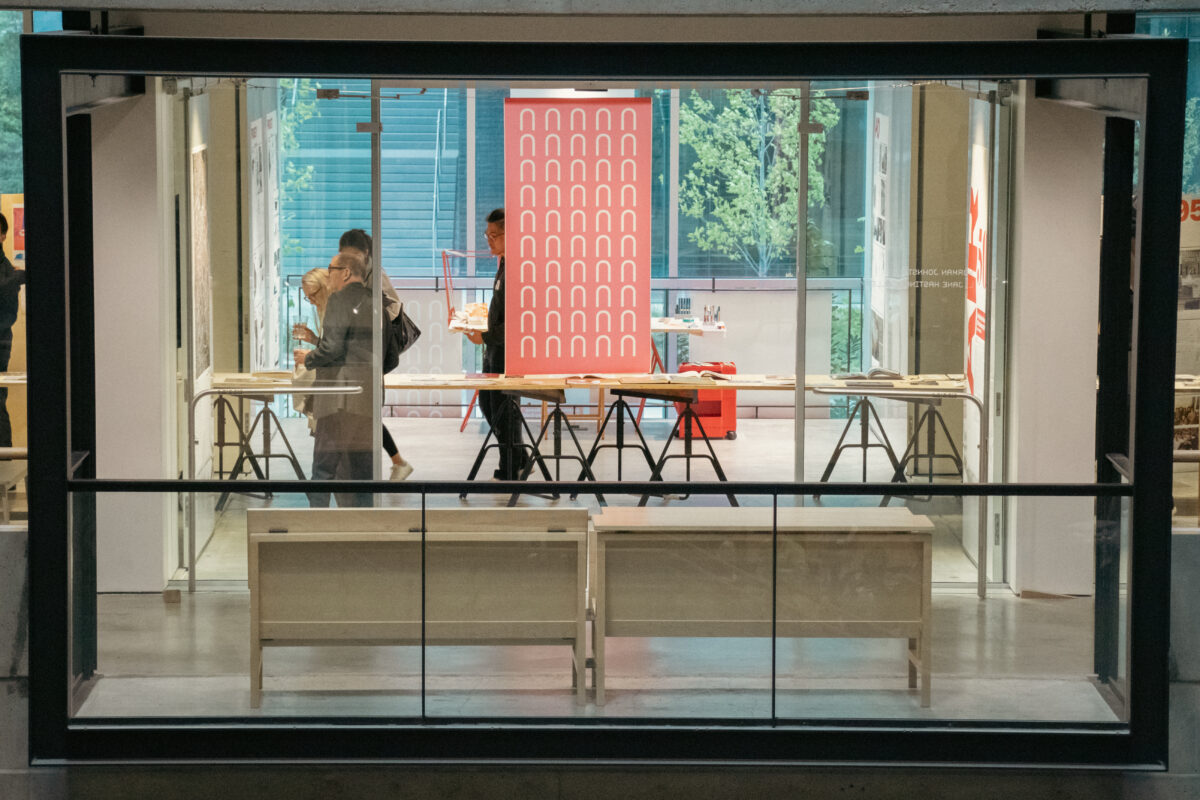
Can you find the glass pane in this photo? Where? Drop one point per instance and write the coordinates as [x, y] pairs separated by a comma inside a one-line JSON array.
[[506, 607], [902, 201], [869, 630], [682, 595], [326, 603], [1187, 351]]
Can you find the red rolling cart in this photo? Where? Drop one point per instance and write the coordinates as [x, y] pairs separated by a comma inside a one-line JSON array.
[[717, 408]]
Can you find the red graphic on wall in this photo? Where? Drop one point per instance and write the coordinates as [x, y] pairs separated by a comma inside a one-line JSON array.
[[577, 224], [18, 227], [976, 294]]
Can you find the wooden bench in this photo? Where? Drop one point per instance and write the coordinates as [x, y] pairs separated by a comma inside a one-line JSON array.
[[842, 572], [355, 576]]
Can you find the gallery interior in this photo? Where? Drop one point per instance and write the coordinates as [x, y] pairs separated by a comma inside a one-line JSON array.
[[877, 478]]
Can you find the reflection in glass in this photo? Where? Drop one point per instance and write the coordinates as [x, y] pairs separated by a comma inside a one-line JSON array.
[[678, 605], [564, 609]]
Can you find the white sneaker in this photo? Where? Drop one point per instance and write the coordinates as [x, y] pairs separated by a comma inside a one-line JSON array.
[[400, 471]]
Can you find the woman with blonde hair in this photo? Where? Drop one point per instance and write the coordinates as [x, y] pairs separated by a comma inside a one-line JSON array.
[[315, 285]]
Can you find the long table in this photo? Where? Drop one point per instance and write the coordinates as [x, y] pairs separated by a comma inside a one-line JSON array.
[[838, 572], [908, 385], [671, 387]]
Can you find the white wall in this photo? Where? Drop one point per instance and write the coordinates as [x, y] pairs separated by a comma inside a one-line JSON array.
[[134, 348], [1054, 295], [761, 339]]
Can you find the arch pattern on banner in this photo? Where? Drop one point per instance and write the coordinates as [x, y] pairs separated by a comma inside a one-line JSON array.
[[578, 261]]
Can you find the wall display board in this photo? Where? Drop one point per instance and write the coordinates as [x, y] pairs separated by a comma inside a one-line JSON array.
[[880, 131], [259, 280], [201, 265], [1189, 254], [1187, 351], [274, 260], [577, 198], [13, 208]]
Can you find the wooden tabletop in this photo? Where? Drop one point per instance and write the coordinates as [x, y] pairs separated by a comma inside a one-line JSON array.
[[459, 324], [909, 384], [758, 518]]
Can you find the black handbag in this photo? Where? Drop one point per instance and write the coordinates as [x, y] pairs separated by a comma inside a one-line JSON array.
[[402, 333], [407, 331]]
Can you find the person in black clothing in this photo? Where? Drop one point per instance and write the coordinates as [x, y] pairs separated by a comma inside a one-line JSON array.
[[11, 281], [356, 240], [343, 447], [502, 411]]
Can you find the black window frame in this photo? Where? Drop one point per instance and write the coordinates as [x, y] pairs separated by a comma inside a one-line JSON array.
[[55, 737]]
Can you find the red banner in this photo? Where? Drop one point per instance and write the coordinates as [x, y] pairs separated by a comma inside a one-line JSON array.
[[577, 224]]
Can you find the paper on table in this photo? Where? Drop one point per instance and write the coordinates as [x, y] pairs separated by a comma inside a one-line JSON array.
[[703, 376], [460, 324]]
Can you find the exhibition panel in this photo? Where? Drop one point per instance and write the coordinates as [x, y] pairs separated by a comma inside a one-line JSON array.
[[619, 402]]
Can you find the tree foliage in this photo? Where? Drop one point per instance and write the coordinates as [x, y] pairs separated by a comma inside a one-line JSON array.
[[1191, 147], [742, 188], [11, 172], [297, 105]]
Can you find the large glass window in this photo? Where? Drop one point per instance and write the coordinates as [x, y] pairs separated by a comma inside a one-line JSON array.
[[861, 493]]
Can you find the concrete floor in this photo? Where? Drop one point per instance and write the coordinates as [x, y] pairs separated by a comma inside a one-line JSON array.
[[1003, 658]]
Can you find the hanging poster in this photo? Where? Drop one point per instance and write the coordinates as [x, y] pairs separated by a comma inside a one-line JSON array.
[[577, 219], [201, 266], [879, 192], [259, 280], [274, 256]]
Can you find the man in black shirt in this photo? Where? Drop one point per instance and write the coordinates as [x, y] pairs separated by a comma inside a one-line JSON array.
[[11, 281], [502, 411]]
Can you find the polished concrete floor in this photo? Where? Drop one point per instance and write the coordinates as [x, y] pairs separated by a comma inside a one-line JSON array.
[[1000, 658]]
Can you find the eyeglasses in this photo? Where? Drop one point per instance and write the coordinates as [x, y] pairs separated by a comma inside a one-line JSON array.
[[491, 237]]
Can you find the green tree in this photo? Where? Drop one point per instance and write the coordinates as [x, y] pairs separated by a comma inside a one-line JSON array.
[[297, 105], [11, 172], [1191, 147], [742, 188]]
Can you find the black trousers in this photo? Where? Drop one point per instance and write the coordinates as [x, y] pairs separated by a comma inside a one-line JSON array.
[[6, 340], [503, 415], [342, 451]]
